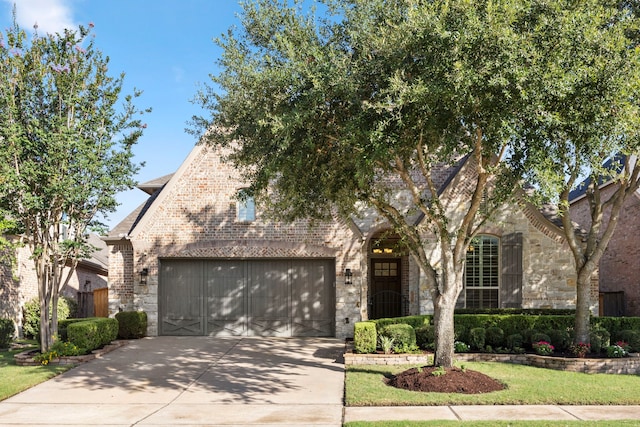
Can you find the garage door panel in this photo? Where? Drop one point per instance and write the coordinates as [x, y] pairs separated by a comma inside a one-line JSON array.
[[312, 298], [247, 297], [226, 298], [182, 299]]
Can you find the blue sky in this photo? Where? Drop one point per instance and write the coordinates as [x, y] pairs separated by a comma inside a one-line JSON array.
[[165, 48]]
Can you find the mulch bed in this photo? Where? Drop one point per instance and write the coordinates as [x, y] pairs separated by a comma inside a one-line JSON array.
[[452, 380]]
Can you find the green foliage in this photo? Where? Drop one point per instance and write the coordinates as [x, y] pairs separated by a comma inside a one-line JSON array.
[[494, 336], [616, 351], [630, 336], [560, 338], [514, 341], [599, 338], [67, 136], [460, 347], [58, 349], [403, 335], [364, 337], [426, 337], [92, 333], [477, 338], [413, 321], [132, 324], [67, 308], [7, 332], [386, 344], [539, 337]]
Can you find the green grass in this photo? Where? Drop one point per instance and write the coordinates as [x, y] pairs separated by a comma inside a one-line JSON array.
[[441, 423], [526, 385], [14, 378]]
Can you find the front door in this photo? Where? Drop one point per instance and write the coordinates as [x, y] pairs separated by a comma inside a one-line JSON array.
[[386, 289]]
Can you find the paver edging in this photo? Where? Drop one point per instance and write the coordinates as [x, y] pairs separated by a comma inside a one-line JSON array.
[[25, 358]]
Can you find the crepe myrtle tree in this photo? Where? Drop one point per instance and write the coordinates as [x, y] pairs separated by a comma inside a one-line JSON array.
[[586, 94], [65, 151], [325, 114]]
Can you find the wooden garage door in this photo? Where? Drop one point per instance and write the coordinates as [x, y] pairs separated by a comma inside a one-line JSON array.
[[251, 297]]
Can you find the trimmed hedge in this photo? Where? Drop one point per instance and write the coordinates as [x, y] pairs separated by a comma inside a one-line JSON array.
[[131, 324], [7, 332], [403, 335], [92, 333], [365, 337]]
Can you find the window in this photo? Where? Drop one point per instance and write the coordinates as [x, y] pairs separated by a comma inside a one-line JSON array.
[[246, 207], [482, 273]]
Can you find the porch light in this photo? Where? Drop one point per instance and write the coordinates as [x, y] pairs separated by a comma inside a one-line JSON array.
[[347, 276], [143, 276]]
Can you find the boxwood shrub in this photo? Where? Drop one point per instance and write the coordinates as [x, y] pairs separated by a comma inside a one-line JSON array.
[[403, 335], [426, 337], [31, 315], [92, 333], [365, 337], [131, 324]]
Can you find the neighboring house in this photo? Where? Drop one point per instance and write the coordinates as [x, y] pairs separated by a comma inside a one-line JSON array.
[[200, 262], [19, 283], [619, 266]]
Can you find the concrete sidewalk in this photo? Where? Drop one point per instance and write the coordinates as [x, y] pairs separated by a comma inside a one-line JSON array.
[[193, 381], [493, 413]]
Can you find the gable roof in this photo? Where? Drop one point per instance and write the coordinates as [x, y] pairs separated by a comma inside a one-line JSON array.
[[615, 164]]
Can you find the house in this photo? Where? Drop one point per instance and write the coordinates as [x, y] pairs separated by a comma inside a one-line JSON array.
[[200, 261], [19, 283], [619, 291]]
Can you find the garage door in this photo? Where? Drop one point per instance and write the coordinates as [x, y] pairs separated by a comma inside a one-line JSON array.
[[249, 297]]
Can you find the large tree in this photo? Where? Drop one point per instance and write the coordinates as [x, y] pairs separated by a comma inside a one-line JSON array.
[[65, 150], [586, 93], [329, 114]]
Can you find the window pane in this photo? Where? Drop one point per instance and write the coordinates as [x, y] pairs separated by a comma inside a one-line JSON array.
[[482, 272]]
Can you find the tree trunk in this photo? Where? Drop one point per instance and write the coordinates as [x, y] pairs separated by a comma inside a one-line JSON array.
[[583, 303], [444, 307]]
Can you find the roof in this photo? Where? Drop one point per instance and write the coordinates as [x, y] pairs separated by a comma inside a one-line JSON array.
[[615, 164], [99, 259], [154, 185]]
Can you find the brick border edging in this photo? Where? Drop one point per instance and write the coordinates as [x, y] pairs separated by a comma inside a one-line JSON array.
[[25, 358], [626, 365]]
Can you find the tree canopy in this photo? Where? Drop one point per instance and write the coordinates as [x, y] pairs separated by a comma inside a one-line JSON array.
[[368, 99], [65, 149]]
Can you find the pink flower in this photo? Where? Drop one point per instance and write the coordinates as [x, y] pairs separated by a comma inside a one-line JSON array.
[[91, 25]]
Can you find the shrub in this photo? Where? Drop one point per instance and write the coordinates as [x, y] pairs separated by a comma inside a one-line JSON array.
[[131, 324], [494, 336], [599, 338], [7, 332], [364, 337], [477, 338], [31, 315], [514, 341], [58, 349], [630, 336], [403, 335], [426, 337], [617, 350], [93, 333], [543, 348], [386, 344], [560, 338], [539, 336], [460, 347]]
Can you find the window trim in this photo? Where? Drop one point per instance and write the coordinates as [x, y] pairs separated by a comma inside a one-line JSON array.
[[498, 277], [245, 207]]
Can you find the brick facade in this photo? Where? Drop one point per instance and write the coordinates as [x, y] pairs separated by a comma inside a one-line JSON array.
[[194, 217], [619, 266]]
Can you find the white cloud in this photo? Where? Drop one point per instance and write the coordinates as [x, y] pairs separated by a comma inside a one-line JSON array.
[[52, 16]]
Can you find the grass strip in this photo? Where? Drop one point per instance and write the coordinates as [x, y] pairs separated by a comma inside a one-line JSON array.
[[526, 385], [14, 378]]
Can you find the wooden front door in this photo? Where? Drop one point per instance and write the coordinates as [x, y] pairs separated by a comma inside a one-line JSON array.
[[386, 289]]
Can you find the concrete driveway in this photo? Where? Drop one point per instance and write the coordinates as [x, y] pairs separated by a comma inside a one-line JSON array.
[[193, 381]]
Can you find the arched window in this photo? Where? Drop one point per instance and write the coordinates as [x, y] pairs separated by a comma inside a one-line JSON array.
[[482, 273]]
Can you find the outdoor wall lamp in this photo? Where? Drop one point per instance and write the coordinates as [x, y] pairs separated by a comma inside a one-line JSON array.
[[347, 276], [143, 276]]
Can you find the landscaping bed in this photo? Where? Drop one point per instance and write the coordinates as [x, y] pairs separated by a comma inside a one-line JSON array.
[[27, 358]]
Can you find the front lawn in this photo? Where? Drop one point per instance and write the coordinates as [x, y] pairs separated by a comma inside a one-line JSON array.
[[14, 378], [526, 385]]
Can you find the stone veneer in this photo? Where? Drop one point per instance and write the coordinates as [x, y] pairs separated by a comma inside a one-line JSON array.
[[625, 365]]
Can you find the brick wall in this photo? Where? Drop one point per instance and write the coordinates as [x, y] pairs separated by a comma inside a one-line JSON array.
[[619, 266]]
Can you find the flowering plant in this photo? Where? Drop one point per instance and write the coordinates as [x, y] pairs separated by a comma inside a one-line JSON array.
[[580, 349], [619, 349], [543, 348], [460, 347]]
